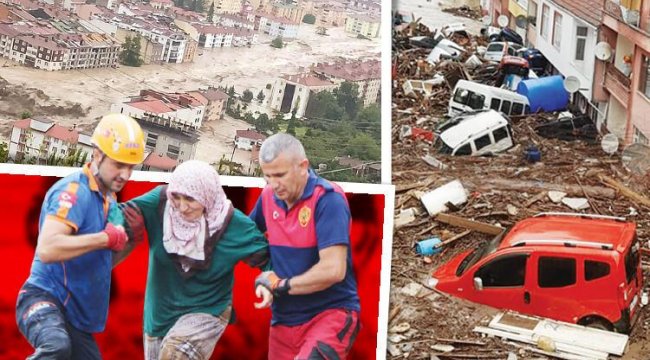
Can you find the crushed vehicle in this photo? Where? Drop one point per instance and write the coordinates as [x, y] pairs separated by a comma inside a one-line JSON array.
[[469, 96], [511, 71], [497, 50], [475, 133], [505, 34], [578, 268], [536, 60], [569, 128]]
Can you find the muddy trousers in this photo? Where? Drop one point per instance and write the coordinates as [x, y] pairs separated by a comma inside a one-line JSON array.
[[193, 337], [40, 318]]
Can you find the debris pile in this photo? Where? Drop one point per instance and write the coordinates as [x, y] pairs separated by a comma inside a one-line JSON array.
[[538, 174]]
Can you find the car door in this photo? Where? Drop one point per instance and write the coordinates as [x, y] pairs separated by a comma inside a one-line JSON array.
[[554, 286], [502, 281]]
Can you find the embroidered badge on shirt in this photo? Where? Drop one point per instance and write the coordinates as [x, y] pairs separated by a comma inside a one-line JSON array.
[[67, 199], [304, 215]]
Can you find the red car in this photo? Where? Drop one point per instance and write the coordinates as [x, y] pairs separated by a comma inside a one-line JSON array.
[[578, 268]]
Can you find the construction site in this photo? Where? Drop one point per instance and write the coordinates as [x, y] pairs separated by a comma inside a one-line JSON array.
[[454, 212]]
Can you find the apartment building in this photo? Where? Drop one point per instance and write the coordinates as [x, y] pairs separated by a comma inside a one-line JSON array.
[[366, 74]]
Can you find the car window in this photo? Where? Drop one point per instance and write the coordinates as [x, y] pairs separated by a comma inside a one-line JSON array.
[[595, 269], [517, 108], [482, 142], [495, 47], [495, 104], [505, 107], [505, 271], [476, 101], [461, 96], [554, 272], [500, 134], [464, 150], [511, 51]]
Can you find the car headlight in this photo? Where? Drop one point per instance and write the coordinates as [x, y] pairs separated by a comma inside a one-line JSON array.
[[432, 282]]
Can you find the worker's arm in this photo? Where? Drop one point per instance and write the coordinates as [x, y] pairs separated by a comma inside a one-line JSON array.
[[56, 242], [329, 270]]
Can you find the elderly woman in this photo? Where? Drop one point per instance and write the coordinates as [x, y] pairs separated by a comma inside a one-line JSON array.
[[195, 239]]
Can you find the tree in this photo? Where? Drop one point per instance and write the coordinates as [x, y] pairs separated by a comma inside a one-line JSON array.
[[369, 119], [4, 152], [263, 124], [277, 42], [231, 91], [347, 96], [324, 105], [291, 128], [130, 54], [25, 115], [247, 96], [260, 96], [309, 19], [211, 13], [364, 147]]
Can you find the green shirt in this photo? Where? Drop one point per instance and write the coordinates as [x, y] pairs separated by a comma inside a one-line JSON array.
[[168, 295]]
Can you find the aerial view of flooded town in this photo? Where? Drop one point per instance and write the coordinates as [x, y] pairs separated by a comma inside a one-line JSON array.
[[205, 80]]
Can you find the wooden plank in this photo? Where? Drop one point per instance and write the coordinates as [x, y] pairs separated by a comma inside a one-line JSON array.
[[469, 224], [558, 355], [625, 190], [462, 342]]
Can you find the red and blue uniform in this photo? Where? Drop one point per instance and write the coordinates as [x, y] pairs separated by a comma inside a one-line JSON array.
[[319, 219]]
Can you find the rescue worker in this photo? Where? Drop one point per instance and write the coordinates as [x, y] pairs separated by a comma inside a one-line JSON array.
[[315, 305], [65, 298]]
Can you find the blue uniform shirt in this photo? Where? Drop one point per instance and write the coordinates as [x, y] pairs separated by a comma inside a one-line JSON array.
[[81, 284]]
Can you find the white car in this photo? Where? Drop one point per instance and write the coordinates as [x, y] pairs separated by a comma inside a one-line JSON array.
[[496, 50]]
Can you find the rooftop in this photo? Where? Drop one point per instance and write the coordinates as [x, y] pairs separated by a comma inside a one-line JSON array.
[[250, 134], [351, 71], [307, 80], [160, 161]]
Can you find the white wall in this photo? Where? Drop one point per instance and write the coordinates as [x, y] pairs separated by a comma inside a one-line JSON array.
[[563, 59]]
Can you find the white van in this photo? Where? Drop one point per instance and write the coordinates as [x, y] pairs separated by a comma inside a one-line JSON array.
[[470, 96], [474, 133]]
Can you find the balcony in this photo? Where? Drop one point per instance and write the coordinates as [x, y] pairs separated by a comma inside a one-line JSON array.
[[617, 83], [626, 11]]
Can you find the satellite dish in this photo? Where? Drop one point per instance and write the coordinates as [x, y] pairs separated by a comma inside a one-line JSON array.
[[502, 20], [521, 21], [571, 84], [603, 51], [636, 158], [486, 20], [609, 144]]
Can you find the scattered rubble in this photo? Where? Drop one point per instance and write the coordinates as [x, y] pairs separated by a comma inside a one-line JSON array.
[[500, 190]]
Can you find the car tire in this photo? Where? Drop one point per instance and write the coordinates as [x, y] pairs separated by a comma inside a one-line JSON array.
[[598, 323]]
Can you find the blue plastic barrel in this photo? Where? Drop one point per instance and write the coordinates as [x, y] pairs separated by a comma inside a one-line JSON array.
[[428, 247], [545, 94]]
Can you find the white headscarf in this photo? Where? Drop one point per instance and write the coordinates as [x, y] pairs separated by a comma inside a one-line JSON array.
[[200, 181]]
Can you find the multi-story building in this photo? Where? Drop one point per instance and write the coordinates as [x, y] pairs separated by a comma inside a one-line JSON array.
[[182, 110], [216, 102], [291, 92], [225, 6], [362, 24], [174, 42], [41, 139], [161, 4], [276, 26], [150, 51], [38, 52], [239, 21], [370, 7], [626, 74], [292, 11], [166, 142], [329, 13], [366, 74], [7, 36]]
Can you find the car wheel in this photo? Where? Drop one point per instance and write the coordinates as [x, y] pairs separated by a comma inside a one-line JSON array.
[[600, 324]]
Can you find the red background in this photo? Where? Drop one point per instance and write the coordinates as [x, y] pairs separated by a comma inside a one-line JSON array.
[[21, 197]]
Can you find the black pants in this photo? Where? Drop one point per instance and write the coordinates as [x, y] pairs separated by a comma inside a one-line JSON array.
[[41, 319]]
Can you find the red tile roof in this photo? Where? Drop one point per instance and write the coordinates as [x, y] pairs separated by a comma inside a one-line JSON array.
[[154, 106], [250, 134], [351, 71], [23, 124], [215, 95], [590, 11], [63, 133], [307, 80], [160, 161]]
